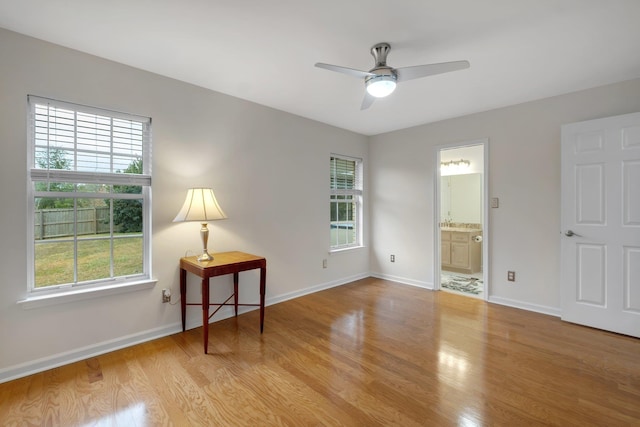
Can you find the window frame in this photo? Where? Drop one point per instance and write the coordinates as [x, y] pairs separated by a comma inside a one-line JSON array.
[[79, 289], [357, 193]]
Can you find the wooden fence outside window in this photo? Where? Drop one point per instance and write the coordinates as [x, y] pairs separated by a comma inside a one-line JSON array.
[[56, 223]]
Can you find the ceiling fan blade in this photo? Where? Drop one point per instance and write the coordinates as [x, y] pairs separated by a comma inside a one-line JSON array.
[[367, 101], [344, 70], [417, 71]]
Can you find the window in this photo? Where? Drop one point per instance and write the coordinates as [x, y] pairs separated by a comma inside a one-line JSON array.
[[89, 196], [346, 202]]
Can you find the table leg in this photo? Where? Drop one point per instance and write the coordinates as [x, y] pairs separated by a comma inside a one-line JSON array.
[[205, 313], [183, 296], [235, 292], [263, 280]]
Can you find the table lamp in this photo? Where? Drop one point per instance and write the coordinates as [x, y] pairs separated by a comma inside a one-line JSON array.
[[201, 205]]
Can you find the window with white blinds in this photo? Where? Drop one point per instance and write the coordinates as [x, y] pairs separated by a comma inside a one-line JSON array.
[[345, 202], [90, 187]]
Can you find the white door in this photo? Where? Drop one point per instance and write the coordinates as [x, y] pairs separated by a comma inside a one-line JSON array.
[[600, 249]]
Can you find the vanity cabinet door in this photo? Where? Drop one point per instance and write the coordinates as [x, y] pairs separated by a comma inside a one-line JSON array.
[[445, 247], [445, 251], [460, 250], [460, 255]]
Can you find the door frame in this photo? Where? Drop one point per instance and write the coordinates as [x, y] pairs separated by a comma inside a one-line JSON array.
[[437, 263]]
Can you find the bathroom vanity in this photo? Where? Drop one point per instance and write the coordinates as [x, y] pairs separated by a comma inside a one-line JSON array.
[[461, 249]]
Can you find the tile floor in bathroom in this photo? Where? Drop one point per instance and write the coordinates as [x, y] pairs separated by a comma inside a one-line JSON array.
[[463, 281]]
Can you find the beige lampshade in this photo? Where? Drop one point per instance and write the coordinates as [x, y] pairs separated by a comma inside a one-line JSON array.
[[200, 205]]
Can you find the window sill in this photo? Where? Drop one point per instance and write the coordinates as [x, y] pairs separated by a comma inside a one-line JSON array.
[[35, 301], [350, 248]]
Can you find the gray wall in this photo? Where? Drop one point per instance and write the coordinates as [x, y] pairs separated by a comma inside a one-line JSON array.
[[524, 172]]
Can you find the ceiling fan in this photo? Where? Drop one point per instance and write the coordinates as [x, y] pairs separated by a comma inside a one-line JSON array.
[[381, 80]]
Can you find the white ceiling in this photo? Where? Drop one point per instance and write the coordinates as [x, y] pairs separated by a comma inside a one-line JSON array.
[[265, 51]]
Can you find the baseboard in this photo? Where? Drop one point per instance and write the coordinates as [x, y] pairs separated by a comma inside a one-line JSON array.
[[316, 288], [543, 309], [403, 280], [552, 311], [60, 359], [50, 362]]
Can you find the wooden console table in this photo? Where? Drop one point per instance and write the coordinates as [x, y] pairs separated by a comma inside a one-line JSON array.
[[222, 263]]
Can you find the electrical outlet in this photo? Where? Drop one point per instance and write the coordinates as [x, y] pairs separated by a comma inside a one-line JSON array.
[[324, 263], [166, 295], [495, 202], [511, 276], [393, 258]]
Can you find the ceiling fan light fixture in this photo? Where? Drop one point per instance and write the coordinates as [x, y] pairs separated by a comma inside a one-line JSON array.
[[381, 85]]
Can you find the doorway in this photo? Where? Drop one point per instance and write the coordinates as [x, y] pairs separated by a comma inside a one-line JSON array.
[[461, 219]]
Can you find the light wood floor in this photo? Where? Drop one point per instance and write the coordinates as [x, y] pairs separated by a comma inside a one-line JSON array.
[[365, 354]]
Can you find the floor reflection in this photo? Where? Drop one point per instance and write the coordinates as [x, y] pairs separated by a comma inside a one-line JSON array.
[[135, 415], [460, 358], [352, 324], [452, 367]]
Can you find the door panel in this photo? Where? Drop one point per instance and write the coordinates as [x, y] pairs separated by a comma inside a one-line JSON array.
[[600, 246], [590, 194], [632, 278], [631, 186], [591, 280]]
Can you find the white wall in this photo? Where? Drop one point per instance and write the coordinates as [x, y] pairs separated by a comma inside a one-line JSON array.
[[524, 172], [269, 169]]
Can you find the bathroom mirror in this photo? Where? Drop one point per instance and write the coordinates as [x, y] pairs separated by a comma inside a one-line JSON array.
[[461, 198]]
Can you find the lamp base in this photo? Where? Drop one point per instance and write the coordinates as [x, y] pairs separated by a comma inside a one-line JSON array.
[[204, 234], [205, 256]]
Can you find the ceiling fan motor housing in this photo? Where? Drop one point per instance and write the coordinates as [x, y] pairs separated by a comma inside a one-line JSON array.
[[380, 52]]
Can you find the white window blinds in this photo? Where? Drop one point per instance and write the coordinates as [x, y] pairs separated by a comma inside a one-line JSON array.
[[80, 143]]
